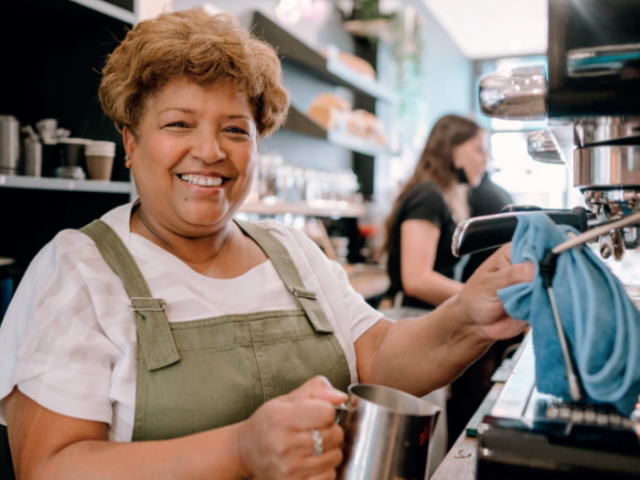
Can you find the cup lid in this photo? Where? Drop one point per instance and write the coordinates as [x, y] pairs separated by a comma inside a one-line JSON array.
[[101, 147], [99, 152]]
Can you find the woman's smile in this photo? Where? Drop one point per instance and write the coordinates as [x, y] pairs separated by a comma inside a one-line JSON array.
[[202, 180]]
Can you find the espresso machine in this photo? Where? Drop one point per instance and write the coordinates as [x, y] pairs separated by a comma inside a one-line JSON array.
[[590, 97]]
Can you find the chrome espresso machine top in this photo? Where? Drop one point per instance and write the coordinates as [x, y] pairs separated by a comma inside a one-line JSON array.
[[590, 96], [591, 99]]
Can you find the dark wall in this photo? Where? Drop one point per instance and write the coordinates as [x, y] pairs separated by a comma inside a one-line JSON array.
[[31, 218], [126, 4], [50, 61]]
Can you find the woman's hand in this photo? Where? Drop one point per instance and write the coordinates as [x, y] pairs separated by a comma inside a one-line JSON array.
[[276, 442], [418, 355], [479, 300]]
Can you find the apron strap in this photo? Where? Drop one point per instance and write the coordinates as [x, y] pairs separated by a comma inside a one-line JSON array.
[[152, 324], [283, 263]]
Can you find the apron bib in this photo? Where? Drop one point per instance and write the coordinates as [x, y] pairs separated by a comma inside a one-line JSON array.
[[203, 374]]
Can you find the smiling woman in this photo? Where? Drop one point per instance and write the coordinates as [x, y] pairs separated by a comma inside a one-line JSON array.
[[167, 340]]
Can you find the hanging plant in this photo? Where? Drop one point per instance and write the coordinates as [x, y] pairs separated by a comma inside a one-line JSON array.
[[409, 52], [369, 10], [363, 18], [404, 30]]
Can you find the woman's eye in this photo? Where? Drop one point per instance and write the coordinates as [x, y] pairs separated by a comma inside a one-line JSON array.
[[178, 124], [235, 130]]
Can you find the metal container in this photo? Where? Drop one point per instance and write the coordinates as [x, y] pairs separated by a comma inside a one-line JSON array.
[[9, 145], [387, 434], [32, 158]]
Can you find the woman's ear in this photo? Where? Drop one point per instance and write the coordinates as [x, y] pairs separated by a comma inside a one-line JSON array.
[[129, 140]]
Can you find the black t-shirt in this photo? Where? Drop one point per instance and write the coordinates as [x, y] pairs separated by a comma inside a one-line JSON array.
[[423, 202]]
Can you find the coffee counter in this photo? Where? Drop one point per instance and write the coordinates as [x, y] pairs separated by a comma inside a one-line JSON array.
[[460, 462], [368, 280]]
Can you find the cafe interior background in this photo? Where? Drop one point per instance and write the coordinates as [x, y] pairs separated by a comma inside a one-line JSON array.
[[367, 79], [332, 174]]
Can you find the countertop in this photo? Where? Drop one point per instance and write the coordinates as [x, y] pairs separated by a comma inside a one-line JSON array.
[[460, 462], [368, 280]]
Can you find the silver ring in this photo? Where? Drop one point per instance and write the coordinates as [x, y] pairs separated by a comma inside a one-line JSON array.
[[318, 447]]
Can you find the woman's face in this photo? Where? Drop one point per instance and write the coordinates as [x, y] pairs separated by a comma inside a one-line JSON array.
[[472, 157], [195, 156]]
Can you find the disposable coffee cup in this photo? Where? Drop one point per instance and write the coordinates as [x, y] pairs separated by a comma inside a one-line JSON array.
[[99, 157], [99, 167]]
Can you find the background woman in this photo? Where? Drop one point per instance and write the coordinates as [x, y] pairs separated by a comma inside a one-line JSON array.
[[425, 214], [169, 341]]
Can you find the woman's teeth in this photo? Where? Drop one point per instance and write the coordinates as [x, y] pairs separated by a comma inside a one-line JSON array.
[[202, 180]]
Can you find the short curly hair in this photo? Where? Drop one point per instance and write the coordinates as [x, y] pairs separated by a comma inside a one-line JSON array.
[[205, 50]]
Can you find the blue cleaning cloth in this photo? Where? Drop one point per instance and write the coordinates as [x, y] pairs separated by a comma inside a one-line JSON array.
[[601, 324]]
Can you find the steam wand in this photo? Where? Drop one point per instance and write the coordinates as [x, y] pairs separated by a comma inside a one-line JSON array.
[[547, 271]]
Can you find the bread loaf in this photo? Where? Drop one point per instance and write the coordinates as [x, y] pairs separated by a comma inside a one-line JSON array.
[[358, 64], [367, 125], [328, 110], [333, 112]]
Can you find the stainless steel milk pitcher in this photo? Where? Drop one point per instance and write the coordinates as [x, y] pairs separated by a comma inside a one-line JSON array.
[[386, 434]]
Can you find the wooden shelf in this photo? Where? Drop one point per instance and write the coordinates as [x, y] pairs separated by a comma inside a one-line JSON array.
[[62, 184], [300, 123], [356, 144], [108, 9], [317, 208], [331, 70]]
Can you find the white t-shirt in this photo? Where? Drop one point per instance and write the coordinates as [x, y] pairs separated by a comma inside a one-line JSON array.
[[68, 340]]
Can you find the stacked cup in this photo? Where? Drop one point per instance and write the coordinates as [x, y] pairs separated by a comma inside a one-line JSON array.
[[100, 159]]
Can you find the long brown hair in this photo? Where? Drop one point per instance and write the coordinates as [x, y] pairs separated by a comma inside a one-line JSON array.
[[436, 162]]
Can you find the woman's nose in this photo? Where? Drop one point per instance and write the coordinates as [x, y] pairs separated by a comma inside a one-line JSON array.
[[207, 148]]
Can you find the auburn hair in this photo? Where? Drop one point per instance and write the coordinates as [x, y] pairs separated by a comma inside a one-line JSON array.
[[205, 50], [436, 163]]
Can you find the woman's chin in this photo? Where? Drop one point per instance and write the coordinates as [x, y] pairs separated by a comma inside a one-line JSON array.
[[204, 220]]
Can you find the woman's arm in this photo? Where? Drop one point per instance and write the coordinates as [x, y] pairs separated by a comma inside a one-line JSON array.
[[422, 354], [418, 249], [275, 442]]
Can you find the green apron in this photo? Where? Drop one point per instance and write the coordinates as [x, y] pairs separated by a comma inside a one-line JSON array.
[[203, 374]]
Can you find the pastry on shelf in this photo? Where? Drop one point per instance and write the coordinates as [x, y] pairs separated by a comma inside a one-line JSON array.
[[355, 63], [366, 125], [333, 112], [329, 110]]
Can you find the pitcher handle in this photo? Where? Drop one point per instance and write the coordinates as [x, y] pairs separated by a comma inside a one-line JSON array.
[[342, 410]]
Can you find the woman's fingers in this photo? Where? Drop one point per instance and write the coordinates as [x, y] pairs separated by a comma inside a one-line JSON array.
[[479, 297], [332, 438], [328, 460], [329, 475], [325, 464], [276, 441], [497, 272], [311, 413], [318, 387]]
